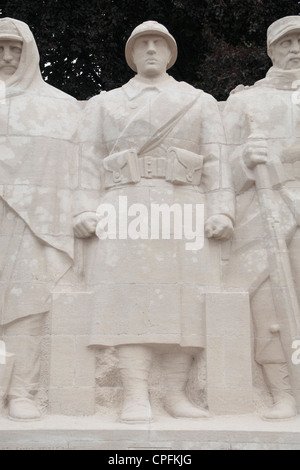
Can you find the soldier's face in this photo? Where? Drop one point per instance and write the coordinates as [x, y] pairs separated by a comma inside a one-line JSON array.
[[285, 52], [151, 55], [10, 55]]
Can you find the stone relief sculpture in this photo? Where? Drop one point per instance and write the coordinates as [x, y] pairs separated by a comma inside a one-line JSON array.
[[152, 141], [155, 200], [263, 129], [36, 148]]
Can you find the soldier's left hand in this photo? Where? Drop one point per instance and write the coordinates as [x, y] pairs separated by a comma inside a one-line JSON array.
[[219, 227]]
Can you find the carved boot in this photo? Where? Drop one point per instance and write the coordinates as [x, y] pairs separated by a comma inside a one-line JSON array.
[[134, 364], [176, 368], [23, 409], [277, 379]]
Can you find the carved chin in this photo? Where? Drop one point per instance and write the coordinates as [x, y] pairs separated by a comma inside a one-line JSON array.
[[8, 71]]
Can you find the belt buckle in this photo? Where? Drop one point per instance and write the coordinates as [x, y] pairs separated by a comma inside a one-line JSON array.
[[148, 167]]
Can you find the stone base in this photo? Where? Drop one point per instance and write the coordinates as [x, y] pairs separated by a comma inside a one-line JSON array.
[[104, 433]]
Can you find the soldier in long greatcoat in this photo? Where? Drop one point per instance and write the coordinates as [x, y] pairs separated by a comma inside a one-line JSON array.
[[262, 124], [153, 141]]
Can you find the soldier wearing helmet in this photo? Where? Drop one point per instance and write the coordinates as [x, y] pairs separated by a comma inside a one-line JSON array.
[[263, 128], [153, 140]]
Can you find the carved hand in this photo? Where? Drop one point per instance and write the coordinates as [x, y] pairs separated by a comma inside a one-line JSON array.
[[255, 153], [219, 227], [85, 224]]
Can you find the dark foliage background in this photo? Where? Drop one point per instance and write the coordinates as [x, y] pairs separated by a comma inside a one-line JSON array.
[[222, 43]]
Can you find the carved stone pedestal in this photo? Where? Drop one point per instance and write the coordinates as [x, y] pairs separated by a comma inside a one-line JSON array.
[[229, 363], [72, 363], [104, 433]]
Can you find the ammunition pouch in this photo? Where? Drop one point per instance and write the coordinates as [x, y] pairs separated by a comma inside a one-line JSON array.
[[180, 167]]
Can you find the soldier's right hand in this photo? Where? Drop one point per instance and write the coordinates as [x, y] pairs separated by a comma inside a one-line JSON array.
[[85, 224], [255, 153]]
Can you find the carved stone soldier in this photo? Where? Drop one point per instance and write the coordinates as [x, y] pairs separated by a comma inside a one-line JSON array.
[[263, 129], [37, 123], [154, 140]]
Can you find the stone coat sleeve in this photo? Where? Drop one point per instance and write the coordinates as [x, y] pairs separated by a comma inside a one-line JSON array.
[[216, 179], [90, 187], [237, 130]]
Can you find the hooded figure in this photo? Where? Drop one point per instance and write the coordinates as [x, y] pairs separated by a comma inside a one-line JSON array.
[[37, 124], [153, 142], [263, 128]]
